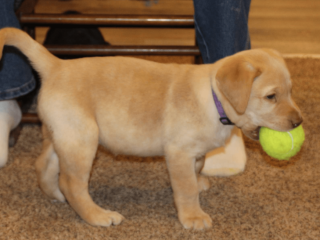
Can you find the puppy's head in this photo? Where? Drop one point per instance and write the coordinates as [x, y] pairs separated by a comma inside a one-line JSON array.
[[256, 90]]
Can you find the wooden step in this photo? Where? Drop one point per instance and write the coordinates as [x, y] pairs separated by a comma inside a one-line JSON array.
[[96, 50], [108, 20]]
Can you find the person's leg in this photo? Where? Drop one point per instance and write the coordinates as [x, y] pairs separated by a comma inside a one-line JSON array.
[[16, 79], [222, 30], [221, 27]]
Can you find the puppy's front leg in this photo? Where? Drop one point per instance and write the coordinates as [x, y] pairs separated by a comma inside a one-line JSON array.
[[183, 177], [203, 182]]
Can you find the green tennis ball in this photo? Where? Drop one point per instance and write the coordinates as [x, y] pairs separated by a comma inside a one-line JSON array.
[[281, 145]]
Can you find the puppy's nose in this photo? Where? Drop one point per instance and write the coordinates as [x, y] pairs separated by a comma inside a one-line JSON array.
[[296, 123]]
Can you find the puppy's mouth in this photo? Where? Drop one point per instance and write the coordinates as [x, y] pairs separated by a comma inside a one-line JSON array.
[[255, 133]]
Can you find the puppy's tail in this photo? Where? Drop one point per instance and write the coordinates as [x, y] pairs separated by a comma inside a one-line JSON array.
[[41, 59]]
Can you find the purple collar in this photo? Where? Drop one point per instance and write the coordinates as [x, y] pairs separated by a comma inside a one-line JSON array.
[[223, 117]]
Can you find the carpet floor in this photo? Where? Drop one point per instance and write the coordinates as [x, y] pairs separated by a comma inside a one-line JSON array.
[[270, 200]]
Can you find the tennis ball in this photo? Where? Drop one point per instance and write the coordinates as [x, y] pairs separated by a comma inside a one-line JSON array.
[[281, 145]]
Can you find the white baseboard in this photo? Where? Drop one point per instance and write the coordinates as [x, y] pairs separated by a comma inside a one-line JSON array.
[[301, 55]]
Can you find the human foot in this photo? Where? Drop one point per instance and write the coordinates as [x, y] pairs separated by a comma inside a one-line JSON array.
[[10, 117]]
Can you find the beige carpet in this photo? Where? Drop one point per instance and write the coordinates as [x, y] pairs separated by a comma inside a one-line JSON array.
[[270, 200]]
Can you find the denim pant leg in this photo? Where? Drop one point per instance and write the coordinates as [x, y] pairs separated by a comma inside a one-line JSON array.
[[221, 27], [16, 77]]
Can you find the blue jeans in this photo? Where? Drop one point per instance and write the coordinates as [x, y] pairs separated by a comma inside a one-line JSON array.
[[16, 77], [221, 27]]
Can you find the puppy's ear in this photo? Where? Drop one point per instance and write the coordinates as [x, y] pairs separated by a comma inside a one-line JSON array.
[[234, 80]]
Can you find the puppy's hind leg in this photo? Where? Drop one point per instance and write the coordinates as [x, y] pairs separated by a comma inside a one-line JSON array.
[[76, 147], [47, 168]]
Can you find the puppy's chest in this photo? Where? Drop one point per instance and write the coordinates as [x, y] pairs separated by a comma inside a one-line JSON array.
[[219, 137]]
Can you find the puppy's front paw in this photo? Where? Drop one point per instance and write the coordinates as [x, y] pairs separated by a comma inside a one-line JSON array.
[[203, 183], [105, 218], [198, 221]]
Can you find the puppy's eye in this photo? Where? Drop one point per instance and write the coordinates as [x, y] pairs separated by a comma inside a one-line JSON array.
[[271, 97]]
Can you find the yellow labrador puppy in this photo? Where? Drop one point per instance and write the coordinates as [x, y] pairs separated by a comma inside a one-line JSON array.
[[144, 108]]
